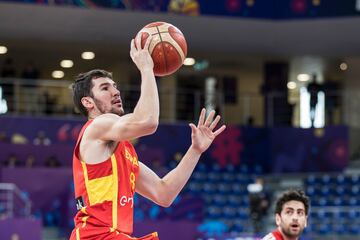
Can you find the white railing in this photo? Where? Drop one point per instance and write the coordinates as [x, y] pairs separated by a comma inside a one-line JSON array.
[[13, 202], [53, 97]]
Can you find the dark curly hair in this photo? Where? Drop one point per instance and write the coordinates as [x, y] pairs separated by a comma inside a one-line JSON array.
[[83, 85], [296, 195]]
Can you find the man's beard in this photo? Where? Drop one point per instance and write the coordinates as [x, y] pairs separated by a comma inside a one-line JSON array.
[[288, 233], [102, 110]]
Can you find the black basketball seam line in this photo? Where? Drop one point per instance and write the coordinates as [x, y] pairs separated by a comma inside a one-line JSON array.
[[165, 60], [158, 32]]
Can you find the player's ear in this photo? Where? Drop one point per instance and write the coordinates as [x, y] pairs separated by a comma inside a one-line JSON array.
[[277, 219], [306, 218], [87, 102]]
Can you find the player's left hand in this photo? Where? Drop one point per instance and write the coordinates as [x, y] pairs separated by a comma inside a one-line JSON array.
[[203, 134]]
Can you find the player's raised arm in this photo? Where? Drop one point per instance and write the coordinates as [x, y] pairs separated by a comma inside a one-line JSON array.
[[164, 191], [110, 126]]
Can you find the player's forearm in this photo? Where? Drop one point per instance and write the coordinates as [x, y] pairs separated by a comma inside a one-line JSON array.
[[176, 179], [148, 105]]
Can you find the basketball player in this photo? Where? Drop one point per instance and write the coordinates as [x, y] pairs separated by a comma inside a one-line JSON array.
[[106, 169], [291, 214]]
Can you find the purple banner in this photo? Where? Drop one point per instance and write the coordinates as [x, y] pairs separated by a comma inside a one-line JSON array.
[[168, 230], [309, 150], [260, 150], [29, 229], [42, 184]]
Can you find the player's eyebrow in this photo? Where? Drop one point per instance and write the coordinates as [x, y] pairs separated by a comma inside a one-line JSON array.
[[104, 84]]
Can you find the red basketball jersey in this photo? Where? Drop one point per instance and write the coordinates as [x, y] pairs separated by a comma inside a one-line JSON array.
[[275, 235], [104, 193]]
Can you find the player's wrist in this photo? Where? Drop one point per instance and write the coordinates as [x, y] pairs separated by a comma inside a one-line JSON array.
[[147, 70], [195, 150]]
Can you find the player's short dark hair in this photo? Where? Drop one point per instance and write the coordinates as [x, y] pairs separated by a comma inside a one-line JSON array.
[[83, 85], [292, 195]]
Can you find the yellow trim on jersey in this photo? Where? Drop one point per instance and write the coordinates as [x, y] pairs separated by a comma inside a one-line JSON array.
[[114, 191], [86, 178], [100, 189], [83, 219], [77, 234]]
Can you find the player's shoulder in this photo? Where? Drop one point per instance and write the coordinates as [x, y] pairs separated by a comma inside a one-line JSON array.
[[269, 236]]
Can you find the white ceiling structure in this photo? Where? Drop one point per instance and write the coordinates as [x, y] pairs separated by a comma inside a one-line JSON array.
[[63, 29]]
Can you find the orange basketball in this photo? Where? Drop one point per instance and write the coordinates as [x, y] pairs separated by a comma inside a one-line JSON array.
[[168, 47]]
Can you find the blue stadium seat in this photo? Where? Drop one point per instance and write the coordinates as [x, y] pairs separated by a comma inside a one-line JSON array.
[[353, 229], [355, 179], [234, 200], [195, 187], [326, 179], [213, 212], [209, 187], [219, 200], [243, 213], [214, 177], [230, 212], [336, 201], [228, 177], [340, 179], [311, 180], [224, 188], [339, 229], [355, 190], [324, 229], [199, 176]]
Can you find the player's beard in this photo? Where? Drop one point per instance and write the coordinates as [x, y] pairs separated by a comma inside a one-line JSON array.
[[102, 109], [287, 231]]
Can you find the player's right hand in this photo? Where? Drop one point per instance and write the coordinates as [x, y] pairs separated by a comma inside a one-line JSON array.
[[141, 56]]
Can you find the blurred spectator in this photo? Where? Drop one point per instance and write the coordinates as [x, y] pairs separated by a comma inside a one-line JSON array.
[[31, 74], [250, 121], [313, 88], [186, 7], [12, 161], [8, 71], [332, 100], [259, 204], [42, 139], [52, 162], [30, 161], [49, 103], [213, 228], [3, 137], [18, 138]]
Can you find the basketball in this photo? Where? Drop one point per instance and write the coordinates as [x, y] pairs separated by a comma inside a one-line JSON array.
[[168, 47]]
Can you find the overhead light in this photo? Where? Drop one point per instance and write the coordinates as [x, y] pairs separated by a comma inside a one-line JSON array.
[[66, 63], [3, 49], [291, 85], [189, 61], [88, 55], [303, 77], [57, 74], [343, 66]]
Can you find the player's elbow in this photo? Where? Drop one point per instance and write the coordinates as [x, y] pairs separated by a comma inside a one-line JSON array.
[[165, 197], [165, 203], [151, 125]]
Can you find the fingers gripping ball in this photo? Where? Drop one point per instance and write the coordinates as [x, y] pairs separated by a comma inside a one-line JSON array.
[[167, 48]]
